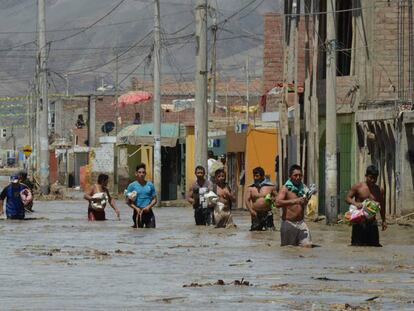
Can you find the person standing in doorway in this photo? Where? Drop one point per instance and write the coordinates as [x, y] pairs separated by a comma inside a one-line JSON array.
[[256, 201], [366, 233], [145, 199], [292, 200]]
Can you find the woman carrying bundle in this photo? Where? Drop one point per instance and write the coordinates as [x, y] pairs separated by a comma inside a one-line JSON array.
[[97, 197]]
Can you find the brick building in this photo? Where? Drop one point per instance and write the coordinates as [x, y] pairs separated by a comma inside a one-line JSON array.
[[374, 92]]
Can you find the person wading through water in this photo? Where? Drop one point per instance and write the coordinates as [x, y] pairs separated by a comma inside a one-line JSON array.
[[17, 195], [97, 197], [260, 208], [145, 200], [203, 213], [291, 199], [222, 210], [366, 233]]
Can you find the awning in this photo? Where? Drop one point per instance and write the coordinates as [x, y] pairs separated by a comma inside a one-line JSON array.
[[142, 134]]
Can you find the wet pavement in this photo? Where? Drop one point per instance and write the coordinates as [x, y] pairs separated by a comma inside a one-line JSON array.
[[60, 261]]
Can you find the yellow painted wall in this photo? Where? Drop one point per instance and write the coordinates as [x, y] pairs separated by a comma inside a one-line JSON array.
[[261, 150], [146, 157], [189, 157], [141, 154]]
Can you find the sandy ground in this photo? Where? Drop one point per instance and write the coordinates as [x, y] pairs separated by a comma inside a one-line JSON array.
[[60, 261]]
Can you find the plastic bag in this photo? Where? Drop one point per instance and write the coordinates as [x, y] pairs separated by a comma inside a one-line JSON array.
[[371, 208], [26, 196], [354, 215], [312, 207], [99, 200], [130, 195]]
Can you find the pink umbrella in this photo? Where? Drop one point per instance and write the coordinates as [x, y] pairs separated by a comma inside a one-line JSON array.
[[133, 97]]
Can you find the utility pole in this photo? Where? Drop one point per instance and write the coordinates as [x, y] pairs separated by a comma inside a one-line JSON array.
[[307, 166], [296, 10], [247, 91], [213, 66], [331, 171], [314, 141], [44, 102], [157, 99], [283, 117], [116, 150], [67, 84], [201, 115]]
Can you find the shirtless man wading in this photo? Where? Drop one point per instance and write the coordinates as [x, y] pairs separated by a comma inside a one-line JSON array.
[[260, 208], [293, 230], [366, 233]]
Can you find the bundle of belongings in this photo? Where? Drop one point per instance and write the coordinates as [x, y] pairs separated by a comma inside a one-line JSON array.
[[369, 209], [26, 196], [309, 193], [99, 200], [130, 195]]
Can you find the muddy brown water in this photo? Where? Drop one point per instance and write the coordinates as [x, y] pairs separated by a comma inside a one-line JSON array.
[[60, 261]]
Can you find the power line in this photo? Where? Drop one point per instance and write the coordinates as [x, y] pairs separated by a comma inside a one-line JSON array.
[[91, 25], [85, 28]]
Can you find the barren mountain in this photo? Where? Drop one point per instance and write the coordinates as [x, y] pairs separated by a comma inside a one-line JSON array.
[[84, 37]]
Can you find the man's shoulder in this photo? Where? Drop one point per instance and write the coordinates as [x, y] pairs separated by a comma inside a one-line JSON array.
[[133, 184]]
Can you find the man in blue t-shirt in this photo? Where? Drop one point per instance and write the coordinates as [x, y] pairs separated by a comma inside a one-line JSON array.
[[145, 200], [14, 205]]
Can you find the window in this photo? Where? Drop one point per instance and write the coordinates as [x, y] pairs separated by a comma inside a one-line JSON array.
[[344, 37]]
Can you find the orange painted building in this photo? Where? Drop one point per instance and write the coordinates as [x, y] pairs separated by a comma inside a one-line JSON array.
[[261, 150]]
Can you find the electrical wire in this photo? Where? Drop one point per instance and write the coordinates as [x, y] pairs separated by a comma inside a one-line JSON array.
[[91, 25]]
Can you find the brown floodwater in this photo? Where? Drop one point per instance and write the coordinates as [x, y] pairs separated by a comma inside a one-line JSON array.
[[60, 261]]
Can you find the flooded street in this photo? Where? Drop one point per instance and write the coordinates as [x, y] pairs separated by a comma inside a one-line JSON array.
[[60, 261]]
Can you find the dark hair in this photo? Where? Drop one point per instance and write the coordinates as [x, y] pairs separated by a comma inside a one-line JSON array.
[[219, 171], [372, 170], [258, 170], [293, 168], [201, 168], [102, 178], [139, 166], [23, 174]]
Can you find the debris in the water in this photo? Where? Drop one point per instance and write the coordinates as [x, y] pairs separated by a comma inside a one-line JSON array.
[[220, 282], [324, 278]]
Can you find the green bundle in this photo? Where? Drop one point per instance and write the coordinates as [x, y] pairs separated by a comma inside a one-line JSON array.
[[269, 201], [371, 208]]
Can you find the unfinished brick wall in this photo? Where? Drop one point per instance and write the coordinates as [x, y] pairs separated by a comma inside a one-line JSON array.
[[273, 50], [385, 49]]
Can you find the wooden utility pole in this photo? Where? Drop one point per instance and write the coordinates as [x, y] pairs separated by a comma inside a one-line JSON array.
[[117, 123], [308, 167], [295, 24], [213, 66], [283, 117], [201, 115], [157, 99], [331, 171], [44, 102], [314, 127], [247, 91]]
